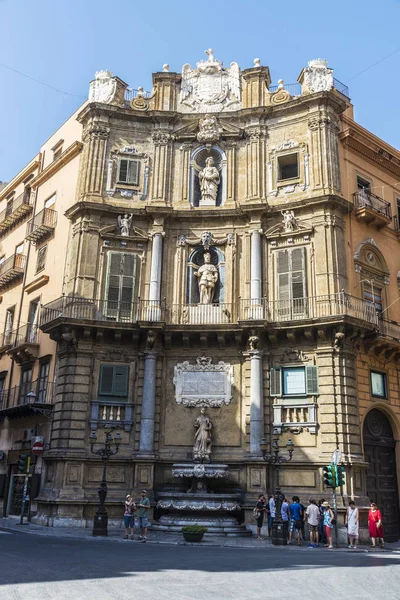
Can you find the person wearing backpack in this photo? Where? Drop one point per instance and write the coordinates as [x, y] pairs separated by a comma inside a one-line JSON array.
[[296, 520]]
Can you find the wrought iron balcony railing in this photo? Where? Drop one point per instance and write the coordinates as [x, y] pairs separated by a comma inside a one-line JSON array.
[[86, 309], [294, 89], [368, 200], [41, 225], [37, 392], [12, 268], [15, 210], [26, 334]]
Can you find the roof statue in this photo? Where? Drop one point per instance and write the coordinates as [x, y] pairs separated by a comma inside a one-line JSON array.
[[210, 87]]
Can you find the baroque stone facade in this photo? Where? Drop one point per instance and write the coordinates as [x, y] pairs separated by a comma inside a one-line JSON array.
[[208, 267]]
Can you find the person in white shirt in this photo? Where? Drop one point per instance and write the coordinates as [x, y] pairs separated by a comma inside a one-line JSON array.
[[272, 514], [312, 513]]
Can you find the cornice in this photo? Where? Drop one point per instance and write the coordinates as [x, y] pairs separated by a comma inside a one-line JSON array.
[[70, 153], [32, 166]]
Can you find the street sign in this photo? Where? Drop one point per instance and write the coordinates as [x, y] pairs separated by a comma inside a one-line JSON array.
[[37, 448], [336, 457]]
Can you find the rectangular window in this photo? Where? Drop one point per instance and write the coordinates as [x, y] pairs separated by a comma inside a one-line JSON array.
[[50, 201], [19, 249], [33, 318], [363, 184], [294, 381], [25, 386], [41, 259], [3, 390], [288, 167], [9, 325], [373, 295], [129, 171], [291, 283], [57, 153], [9, 207], [378, 384], [43, 382], [120, 285], [114, 381]]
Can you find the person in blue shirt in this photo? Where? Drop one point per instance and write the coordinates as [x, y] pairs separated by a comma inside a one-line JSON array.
[[296, 519], [285, 512]]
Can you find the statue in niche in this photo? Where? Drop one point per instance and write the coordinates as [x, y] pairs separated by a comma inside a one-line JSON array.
[[208, 277], [209, 182], [124, 224], [289, 221], [253, 340], [202, 438]]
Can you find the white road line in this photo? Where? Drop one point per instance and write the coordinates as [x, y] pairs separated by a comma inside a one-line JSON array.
[[6, 532]]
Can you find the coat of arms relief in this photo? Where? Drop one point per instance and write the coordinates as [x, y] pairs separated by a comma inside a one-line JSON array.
[[210, 87]]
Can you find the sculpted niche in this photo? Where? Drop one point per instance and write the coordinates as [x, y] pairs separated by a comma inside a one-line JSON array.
[[207, 176], [206, 275]]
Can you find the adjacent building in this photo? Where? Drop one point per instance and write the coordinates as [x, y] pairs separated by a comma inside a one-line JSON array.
[[218, 243]]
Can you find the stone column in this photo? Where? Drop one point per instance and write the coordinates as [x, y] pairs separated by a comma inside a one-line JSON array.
[[231, 174], [161, 172], [155, 271], [148, 404], [255, 157], [255, 267], [256, 401]]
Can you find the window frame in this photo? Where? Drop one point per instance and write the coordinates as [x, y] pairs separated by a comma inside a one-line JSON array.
[[113, 395], [276, 380], [128, 161], [282, 157], [38, 269], [46, 205], [383, 374]]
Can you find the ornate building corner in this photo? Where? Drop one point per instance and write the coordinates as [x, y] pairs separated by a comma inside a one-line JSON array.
[[317, 77]]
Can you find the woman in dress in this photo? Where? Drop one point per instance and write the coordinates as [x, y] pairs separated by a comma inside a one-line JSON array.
[[327, 520], [352, 524], [375, 525]]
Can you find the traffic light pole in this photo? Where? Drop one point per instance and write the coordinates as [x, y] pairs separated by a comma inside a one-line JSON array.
[[24, 496], [335, 514]]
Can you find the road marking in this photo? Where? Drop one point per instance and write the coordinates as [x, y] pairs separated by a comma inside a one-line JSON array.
[[6, 532]]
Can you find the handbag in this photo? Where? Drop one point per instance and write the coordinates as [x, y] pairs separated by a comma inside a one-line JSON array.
[[333, 521], [256, 513]]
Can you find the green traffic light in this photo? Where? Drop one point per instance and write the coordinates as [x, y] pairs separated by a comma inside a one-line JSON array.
[[23, 463]]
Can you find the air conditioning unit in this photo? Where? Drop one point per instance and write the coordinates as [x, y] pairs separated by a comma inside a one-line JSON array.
[[28, 434]]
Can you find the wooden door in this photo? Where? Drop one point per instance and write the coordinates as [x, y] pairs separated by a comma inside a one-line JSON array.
[[379, 452]]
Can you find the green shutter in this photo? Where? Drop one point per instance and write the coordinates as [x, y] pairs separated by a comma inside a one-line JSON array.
[[121, 373], [275, 381], [133, 172], [120, 285], [123, 171], [106, 380], [312, 380]]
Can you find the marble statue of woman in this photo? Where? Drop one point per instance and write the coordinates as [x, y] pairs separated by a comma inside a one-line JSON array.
[[208, 277], [124, 224], [202, 438], [209, 182]]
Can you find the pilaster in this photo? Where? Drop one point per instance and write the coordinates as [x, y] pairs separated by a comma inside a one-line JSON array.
[[95, 136], [255, 86], [161, 175]]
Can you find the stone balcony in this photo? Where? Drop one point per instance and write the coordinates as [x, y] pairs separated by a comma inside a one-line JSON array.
[[372, 209]]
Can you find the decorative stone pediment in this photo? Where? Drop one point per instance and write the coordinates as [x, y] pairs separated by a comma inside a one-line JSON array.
[[203, 384], [281, 230], [135, 234], [206, 240]]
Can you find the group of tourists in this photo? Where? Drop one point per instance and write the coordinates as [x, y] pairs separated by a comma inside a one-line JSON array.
[[320, 519], [142, 508]]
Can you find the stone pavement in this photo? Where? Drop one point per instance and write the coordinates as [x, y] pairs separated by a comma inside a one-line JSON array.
[[160, 537]]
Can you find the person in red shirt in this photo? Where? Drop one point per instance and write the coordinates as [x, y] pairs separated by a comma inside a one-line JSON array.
[[375, 525]]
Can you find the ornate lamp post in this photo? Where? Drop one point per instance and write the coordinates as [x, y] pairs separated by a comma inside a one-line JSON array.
[[100, 521], [272, 456]]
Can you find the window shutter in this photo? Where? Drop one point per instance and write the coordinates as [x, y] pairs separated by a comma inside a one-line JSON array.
[[298, 273], [123, 171], [312, 380], [128, 277], [106, 380], [133, 172], [275, 382], [121, 373]]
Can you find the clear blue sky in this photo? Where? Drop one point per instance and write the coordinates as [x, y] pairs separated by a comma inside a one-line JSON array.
[[63, 43]]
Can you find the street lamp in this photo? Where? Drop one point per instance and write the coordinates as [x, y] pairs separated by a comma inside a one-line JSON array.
[[100, 521], [273, 457]]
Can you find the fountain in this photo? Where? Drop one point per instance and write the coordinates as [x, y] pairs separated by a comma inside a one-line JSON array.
[[217, 510]]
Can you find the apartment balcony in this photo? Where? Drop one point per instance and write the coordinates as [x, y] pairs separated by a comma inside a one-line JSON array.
[[15, 210], [31, 398], [372, 209], [12, 269], [78, 309], [6, 341], [25, 343], [41, 225]]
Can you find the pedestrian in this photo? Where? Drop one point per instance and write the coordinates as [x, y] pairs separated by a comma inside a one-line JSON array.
[[129, 519], [312, 513], [260, 511], [303, 521], [328, 517], [272, 514], [352, 524], [285, 512], [322, 538], [375, 525], [142, 515], [295, 519]]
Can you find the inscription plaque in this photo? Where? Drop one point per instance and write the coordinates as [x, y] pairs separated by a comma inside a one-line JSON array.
[[203, 384]]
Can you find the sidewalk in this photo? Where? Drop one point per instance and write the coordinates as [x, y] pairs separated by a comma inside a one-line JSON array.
[[159, 537]]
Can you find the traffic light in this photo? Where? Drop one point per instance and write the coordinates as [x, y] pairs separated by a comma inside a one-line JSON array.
[[340, 475], [23, 463], [329, 476]]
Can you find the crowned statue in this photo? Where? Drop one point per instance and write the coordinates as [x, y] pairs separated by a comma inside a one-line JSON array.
[[209, 182], [208, 277]]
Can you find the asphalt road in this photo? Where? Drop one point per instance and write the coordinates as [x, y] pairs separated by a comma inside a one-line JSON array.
[[42, 568]]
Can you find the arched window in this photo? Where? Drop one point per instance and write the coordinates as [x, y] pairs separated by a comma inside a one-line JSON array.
[[196, 260], [373, 274], [198, 162]]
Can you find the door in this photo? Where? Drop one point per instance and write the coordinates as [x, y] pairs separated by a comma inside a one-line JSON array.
[[379, 451]]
